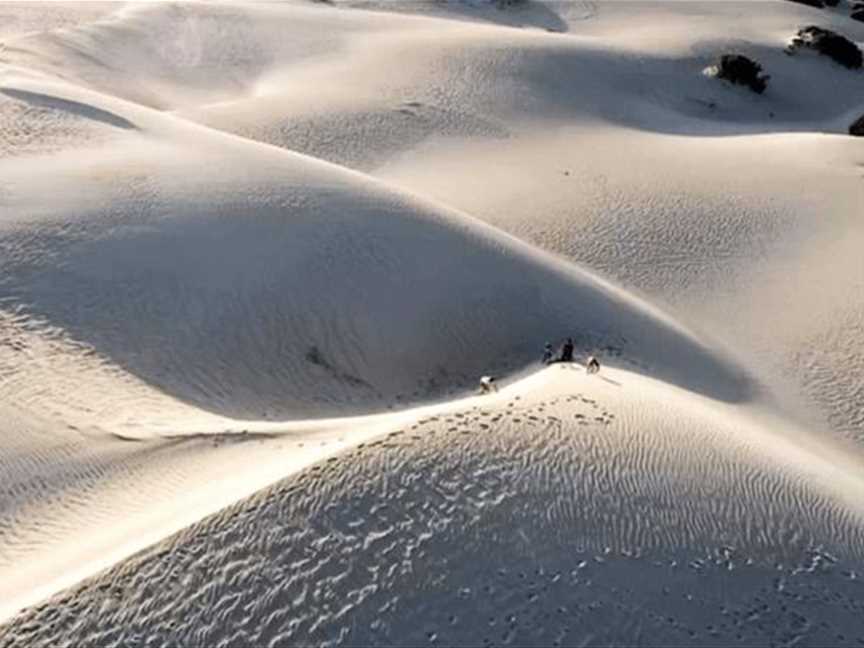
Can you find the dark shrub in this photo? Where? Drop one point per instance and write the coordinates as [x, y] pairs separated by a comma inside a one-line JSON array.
[[743, 71], [857, 14], [857, 127], [829, 43], [831, 3], [818, 4]]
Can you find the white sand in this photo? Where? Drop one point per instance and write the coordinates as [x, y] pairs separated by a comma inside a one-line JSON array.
[[235, 235]]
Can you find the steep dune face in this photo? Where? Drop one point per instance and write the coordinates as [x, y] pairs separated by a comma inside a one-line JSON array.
[[298, 288]]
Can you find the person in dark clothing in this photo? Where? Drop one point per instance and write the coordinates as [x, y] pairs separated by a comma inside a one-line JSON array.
[[592, 366], [548, 354], [567, 351]]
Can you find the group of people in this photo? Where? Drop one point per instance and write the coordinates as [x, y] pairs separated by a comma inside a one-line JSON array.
[[592, 365]]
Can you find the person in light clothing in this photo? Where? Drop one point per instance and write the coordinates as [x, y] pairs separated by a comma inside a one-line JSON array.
[[487, 385]]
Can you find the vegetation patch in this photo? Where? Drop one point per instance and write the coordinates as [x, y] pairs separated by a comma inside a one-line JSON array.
[[739, 69], [830, 43]]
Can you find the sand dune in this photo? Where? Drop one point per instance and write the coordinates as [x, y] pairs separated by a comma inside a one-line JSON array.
[[238, 240], [568, 509], [317, 286]]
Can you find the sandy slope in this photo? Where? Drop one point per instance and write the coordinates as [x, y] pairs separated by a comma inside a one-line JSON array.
[[275, 211], [566, 509], [319, 287]]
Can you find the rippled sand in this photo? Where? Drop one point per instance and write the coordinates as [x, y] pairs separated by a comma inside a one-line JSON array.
[[555, 520], [257, 255]]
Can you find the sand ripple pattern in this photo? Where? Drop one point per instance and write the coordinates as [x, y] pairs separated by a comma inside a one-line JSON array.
[[557, 522]]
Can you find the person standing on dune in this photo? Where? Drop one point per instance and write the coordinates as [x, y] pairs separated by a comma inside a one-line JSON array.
[[548, 354], [567, 351]]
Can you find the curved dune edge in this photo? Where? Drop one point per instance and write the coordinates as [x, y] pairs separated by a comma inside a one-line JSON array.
[[167, 476], [214, 472], [242, 331]]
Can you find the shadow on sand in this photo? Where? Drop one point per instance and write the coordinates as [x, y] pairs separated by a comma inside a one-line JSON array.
[[530, 14], [75, 108]]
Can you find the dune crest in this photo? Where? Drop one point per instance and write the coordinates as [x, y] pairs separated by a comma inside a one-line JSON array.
[[302, 289]]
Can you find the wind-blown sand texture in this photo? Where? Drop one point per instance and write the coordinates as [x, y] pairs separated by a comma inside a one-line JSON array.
[[254, 258]]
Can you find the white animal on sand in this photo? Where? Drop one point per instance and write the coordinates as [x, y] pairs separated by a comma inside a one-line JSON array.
[[487, 385]]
